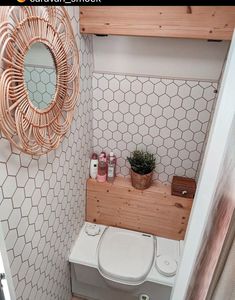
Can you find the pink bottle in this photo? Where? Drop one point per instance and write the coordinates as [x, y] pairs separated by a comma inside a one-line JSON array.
[[111, 167], [102, 169]]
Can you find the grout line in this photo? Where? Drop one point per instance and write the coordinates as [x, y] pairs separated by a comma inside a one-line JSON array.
[[155, 76], [39, 66]]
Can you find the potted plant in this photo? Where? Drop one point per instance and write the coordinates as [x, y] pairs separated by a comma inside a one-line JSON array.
[[142, 166]]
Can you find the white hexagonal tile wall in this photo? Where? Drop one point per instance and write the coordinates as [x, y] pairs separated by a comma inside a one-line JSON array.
[[167, 117], [33, 189]]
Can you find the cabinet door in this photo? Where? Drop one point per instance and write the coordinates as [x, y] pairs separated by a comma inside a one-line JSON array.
[[214, 202]]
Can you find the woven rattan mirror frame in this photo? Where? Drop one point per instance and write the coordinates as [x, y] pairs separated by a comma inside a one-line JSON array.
[[32, 130]]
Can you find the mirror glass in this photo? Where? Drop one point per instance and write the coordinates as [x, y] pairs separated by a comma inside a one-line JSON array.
[[40, 75]]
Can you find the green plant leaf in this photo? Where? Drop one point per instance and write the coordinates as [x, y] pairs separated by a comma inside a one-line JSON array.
[[142, 162]]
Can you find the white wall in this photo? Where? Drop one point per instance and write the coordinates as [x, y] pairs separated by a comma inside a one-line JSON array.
[[165, 57], [212, 170]]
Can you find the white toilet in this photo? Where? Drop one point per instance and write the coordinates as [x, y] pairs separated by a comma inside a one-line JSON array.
[[110, 263]]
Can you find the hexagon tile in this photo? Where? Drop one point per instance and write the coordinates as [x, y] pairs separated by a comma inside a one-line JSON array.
[[165, 116], [41, 83], [42, 199]]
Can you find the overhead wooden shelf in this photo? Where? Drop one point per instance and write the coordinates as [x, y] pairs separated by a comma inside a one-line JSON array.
[[153, 210], [200, 22]]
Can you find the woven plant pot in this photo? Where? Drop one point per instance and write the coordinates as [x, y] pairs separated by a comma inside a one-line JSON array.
[[141, 182]]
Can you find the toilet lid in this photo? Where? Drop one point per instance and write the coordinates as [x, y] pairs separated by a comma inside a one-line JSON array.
[[125, 256], [166, 265]]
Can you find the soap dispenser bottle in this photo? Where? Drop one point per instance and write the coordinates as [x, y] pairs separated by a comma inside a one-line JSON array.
[[111, 167], [94, 166]]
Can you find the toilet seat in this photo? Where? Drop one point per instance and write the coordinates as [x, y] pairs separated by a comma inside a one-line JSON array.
[[125, 256]]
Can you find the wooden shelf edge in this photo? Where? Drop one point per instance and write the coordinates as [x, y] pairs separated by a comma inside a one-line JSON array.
[[198, 22], [156, 187]]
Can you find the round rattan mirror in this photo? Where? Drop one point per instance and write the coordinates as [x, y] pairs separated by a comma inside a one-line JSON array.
[[30, 125]]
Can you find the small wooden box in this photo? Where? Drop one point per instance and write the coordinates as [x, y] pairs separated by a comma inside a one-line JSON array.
[[183, 187]]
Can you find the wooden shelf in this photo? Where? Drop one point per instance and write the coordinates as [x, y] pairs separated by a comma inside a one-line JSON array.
[[200, 22], [153, 211]]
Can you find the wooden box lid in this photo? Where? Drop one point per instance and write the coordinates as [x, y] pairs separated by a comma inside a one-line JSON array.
[[184, 181], [183, 186]]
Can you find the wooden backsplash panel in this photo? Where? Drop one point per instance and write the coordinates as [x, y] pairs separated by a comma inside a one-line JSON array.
[[153, 211], [203, 22]]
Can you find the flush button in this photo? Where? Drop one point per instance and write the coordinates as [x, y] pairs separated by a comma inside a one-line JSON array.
[[92, 229], [144, 297], [166, 265]]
